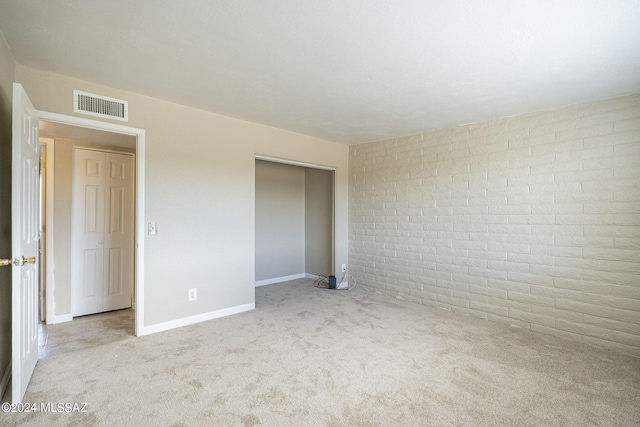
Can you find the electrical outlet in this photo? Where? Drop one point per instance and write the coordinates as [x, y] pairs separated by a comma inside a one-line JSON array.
[[344, 268], [193, 294]]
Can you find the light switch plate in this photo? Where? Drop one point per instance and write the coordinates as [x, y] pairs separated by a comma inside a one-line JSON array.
[[153, 229]]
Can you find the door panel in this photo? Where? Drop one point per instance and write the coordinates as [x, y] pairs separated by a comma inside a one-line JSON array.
[[107, 208], [93, 209], [25, 241], [87, 276], [92, 283], [116, 214], [120, 233], [93, 168], [116, 285]]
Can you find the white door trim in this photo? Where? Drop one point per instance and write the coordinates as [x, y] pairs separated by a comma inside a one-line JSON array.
[[139, 202], [51, 318], [49, 145], [293, 162]]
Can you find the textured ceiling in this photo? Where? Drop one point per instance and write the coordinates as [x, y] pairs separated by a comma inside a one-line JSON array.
[[345, 70]]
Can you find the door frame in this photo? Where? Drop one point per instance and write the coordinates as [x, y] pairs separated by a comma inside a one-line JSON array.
[[139, 228], [47, 146]]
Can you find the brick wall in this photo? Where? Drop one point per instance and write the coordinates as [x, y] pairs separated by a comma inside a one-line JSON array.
[[531, 220]]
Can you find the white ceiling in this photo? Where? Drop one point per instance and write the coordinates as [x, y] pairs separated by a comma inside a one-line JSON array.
[[350, 71]]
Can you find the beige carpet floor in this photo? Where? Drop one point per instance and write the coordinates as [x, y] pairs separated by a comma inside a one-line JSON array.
[[312, 357]]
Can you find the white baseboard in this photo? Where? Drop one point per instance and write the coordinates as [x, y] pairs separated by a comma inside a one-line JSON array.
[[343, 285], [52, 320], [165, 326], [280, 279], [5, 380], [294, 277]]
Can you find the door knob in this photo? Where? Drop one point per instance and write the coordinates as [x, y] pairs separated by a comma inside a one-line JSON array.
[[18, 261], [30, 260]]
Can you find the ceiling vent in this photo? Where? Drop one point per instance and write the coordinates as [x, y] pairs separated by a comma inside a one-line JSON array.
[[100, 106]]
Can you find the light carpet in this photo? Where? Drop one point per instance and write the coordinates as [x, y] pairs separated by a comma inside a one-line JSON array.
[[312, 357]]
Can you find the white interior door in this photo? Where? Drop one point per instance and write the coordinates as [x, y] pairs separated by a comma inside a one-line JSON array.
[[87, 270], [24, 239], [103, 231], [119, 231]]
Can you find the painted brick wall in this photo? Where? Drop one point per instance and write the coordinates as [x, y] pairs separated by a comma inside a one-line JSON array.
[[532, 220]]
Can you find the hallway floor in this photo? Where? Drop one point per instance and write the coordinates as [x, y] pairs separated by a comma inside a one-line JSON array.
[[85, 332], [82, 333]]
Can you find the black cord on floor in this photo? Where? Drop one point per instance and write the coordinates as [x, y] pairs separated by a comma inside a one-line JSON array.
[[321, 281]]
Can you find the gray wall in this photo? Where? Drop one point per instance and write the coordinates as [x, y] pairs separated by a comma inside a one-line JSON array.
[[7, 72], [200, 189], [280, 227], [531, 220], [294, 211], [318, 222]]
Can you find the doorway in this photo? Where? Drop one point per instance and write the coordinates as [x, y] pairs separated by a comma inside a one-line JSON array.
[[63, 134], [25, 227], [78, 293], [294, 221]]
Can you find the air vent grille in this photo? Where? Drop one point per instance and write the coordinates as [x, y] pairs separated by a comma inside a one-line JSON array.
[[100, 106]]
